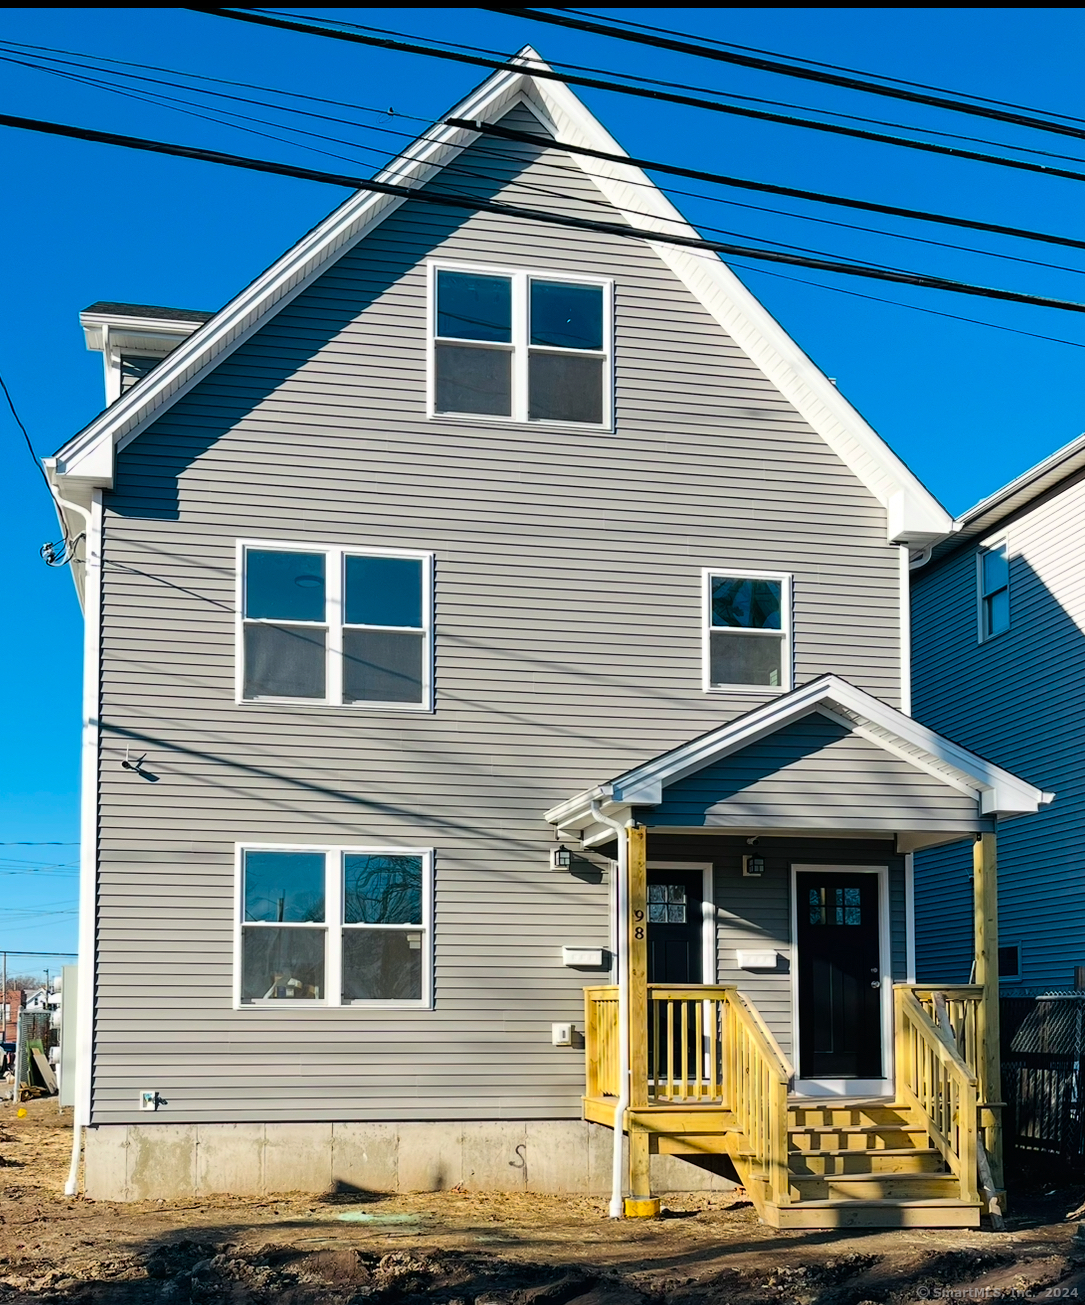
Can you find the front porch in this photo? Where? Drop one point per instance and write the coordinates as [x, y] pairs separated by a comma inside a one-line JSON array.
[[773, 853], [708, 1078]]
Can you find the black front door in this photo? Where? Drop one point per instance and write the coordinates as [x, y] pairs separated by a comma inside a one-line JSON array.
[[674, 926], [674, 956], [840, 1020]]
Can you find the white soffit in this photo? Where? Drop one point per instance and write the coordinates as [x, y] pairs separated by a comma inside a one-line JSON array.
[[914, 515]]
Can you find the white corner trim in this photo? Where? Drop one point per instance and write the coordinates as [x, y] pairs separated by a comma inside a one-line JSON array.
[[905, 630], [88, 811], [913, 514]]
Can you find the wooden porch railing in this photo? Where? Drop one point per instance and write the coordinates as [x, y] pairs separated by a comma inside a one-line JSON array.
[[934, 1078], [707, 1046], [955, 1009]]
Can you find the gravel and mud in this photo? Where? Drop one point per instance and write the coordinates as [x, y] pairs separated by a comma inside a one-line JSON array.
[[471, 1248]]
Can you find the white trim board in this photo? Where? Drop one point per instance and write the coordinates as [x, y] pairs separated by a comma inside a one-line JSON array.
[[847, 1087], [914, 516]]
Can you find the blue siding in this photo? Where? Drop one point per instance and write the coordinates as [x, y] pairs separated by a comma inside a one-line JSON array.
[[1018, 699]]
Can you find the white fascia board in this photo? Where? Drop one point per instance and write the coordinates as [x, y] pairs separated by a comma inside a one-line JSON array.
[[168, 329], [914, 515], [89, 455]]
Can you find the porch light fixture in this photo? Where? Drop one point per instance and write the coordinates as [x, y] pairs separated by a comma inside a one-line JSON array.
[[753, 867], [561, 858]]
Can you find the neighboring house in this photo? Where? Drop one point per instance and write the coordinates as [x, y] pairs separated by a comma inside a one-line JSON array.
[[999, 664], [479, 609]]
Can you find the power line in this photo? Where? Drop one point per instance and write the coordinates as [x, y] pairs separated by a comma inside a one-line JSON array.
[[473, 204], [835, 67], [595, 83], [663, 40], [507, 133], [456, 168]]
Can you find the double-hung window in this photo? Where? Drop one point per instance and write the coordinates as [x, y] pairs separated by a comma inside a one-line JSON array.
[[994, 590], [747, 630], [334, 926], [520, 346], [335, 625]]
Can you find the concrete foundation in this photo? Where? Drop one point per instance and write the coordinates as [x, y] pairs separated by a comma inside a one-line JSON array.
[[136, 1162]]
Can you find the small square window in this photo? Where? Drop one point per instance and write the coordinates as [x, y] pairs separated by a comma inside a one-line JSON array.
[[747, 631], [1009, 962]]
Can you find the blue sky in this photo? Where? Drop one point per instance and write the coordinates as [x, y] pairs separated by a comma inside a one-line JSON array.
[[968, 407]]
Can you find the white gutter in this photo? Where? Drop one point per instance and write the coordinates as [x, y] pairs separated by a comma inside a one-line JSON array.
[[617, 1175]]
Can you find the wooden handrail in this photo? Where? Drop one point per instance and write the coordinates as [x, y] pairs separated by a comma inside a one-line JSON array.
[[709, 1047], [935, 1079]]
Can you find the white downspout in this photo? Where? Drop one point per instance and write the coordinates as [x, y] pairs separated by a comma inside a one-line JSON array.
[[617, 1175], [88, 803]]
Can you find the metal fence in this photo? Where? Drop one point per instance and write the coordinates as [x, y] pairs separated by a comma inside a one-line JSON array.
[[1043, 1079]]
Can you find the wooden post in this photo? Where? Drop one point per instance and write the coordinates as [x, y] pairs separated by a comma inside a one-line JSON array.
[[638, 966], [985, 880], [641, 1203]]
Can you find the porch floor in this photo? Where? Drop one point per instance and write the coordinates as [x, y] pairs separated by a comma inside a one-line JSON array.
[[851, 1164]]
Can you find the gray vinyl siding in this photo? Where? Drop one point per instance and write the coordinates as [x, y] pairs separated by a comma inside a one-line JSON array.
[[756, 913], [815, 774], [1018, 699], [568, 649]]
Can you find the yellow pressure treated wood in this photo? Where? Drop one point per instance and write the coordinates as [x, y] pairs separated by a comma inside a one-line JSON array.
[[985, 881], [908, 1162], [638, 966]]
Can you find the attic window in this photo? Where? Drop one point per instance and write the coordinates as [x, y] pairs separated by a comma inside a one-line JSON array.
[[747, 630], [520, 346]]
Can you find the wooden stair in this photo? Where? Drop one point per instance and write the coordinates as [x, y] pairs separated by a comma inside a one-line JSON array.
[[860, 1164]]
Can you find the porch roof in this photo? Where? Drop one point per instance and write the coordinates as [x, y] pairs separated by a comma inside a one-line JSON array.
[[917, 752]]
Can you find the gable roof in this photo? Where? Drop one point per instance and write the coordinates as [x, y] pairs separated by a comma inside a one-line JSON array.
[[914, 515], [997, 791]]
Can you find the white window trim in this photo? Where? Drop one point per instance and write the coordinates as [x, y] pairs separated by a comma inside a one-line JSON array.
[[787, 674], [519, 346], [334, 927], [334, 576], [1000, 541]]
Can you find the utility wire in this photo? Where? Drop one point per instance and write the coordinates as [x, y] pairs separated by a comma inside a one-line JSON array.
[[456, 167], [60, 553], [834, 67], [474, 204], [660, 41], [507, 133], [624, 78], [698, 102], [458, 170]]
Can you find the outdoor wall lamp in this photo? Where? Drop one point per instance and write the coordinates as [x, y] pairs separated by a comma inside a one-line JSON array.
[[561, 858]]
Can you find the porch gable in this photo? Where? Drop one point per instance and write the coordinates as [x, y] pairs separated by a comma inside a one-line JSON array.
[[816, 774]]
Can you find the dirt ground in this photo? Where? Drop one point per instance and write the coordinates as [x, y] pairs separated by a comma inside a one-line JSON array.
[[458, 1248]]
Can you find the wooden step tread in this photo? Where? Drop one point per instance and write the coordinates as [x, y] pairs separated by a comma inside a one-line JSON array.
[[892, 1126], [888, 1203], [878, 1151]]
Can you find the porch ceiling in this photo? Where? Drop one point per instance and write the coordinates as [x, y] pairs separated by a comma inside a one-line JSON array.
[[827, 759]]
